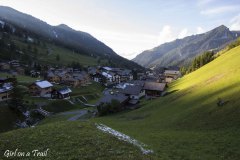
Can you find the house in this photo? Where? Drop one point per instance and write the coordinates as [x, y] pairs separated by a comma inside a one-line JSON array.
[[106, 69], [108, 78], [82, 77], [4, 94], [4, 66], [122, 85], [134, 93], [154, 88], [63, 75], [92, 70], [53, 78], [138, 82], [126, 75], [171, 75], [141, 76], [107, 99], [97, 77], [20, 70], [72, 82], [14, 63], [5, 91], [41, 88], [63, 93]]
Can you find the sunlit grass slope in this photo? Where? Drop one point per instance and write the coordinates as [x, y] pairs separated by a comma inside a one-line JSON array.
[[188, 124]]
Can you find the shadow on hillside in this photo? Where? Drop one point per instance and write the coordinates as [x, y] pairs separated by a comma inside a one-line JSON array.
[[231, 89], [214, 96], [171, 92]]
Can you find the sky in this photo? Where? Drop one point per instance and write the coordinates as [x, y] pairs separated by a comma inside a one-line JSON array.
[[132, 26]]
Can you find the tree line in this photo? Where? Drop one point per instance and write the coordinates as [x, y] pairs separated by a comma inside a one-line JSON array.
[[198, 62]]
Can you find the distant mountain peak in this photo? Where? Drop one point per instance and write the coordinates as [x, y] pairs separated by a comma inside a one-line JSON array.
[[64, 26], [221, 28]]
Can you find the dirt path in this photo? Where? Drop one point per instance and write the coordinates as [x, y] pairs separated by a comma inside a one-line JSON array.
[[76, 114]]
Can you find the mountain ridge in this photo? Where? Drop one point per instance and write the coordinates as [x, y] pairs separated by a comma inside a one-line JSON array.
[[81, 42], [182, 51]]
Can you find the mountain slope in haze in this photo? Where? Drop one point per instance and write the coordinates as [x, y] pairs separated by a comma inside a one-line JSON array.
[[188, 123], [79, 41], [182, 51]]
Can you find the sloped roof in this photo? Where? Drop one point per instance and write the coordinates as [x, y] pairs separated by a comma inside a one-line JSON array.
[[154, 86], [108, 98], [50, 74], [106, 75], [171, 72], [43, 84], [132, 90], [139, 82], [107, 68], [65, 90]]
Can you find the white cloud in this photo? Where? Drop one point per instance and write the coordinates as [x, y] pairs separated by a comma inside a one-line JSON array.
[[166, 35], [184, 33], [219, 10], [235, 23], [200, 30], [204, 2]]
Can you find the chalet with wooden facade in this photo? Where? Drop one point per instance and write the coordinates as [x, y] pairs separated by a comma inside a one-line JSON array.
[[41, 88]]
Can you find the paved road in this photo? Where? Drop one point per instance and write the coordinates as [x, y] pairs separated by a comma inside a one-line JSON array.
[[76, 114]]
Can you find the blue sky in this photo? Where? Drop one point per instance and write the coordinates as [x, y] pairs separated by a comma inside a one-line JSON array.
[[132, 26]]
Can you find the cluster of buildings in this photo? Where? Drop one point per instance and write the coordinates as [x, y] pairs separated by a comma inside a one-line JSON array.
[[110, 76], [148, 85], [68, 77], [119, 83], [13, 66], [45, 89]]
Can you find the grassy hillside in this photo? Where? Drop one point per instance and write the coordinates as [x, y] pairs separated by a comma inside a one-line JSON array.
[[188, 124], [47, 52], [69, 140]]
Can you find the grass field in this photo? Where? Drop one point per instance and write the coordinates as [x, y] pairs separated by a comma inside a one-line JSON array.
[[69, 140], [188, 124], [21, 78], [7, 118]]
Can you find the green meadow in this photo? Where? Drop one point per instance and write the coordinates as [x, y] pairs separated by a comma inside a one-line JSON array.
[[188, 123], [68, 140]]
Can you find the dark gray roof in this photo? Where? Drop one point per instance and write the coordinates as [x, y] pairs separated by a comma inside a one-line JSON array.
[[108, 98], [132, 90], [154, 86], [50, 74], [65, 90], [139, 82]]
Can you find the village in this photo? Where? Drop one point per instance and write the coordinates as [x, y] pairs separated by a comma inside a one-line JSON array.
[[118, 84]]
